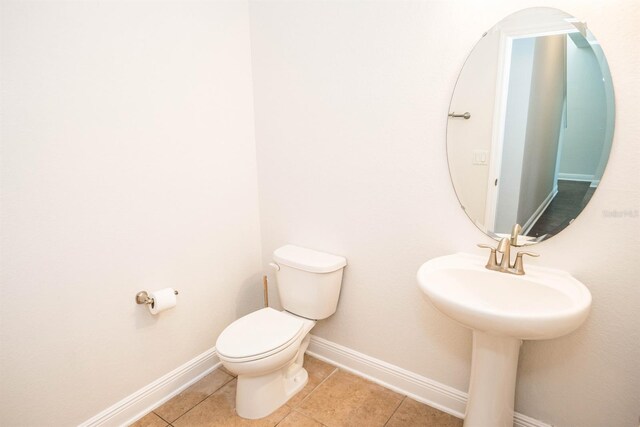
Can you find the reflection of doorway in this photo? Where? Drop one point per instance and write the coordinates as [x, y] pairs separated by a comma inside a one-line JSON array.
[[554, 118], [531, 107]]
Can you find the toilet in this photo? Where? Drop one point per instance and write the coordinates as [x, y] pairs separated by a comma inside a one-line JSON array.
[[266, 348]]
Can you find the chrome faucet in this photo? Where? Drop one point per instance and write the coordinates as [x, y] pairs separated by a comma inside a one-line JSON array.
[[504, 248]]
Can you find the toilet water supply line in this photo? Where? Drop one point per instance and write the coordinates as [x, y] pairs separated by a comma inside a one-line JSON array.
[[265, 286], [265, 283]]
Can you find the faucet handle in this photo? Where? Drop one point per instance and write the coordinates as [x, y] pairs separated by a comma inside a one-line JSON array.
[[492, 263], [533, 254], [518, 266], [485, 246]]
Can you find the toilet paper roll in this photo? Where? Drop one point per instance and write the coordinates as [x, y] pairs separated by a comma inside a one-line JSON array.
[[163, 299]]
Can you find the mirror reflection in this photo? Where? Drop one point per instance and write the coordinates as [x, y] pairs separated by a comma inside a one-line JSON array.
[[535, 142]]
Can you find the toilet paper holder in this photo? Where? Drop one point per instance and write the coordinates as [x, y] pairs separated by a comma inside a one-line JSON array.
[[143, 297]]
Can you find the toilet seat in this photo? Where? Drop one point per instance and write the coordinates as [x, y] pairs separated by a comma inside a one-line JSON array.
[[258, 335]]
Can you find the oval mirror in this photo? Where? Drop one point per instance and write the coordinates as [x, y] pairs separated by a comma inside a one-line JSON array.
[[530, 125]]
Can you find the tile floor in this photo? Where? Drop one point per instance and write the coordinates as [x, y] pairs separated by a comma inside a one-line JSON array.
[[332, 397]]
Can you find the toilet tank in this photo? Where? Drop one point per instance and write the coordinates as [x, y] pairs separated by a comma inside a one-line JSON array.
[[308, 281]]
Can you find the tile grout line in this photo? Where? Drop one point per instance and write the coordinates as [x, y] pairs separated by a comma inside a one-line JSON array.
[[336, 369], [395, 410], [283, 418], [303, 414], [154, 412], [316, 387], [295, 409], [208, 396]]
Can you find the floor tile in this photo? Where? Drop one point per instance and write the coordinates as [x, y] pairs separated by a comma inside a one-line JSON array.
[[318, 372], [296, 419], [150, 420], [347, 400], [193, 395], [226, 371], [412, 413], [219, 410]]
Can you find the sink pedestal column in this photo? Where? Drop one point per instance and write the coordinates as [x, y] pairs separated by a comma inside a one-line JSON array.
[[492, 387]]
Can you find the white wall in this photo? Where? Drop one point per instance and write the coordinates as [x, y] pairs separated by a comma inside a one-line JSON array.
[[515, 133], [584, 135], [544, 122], [610, 122], [351, 101], [475, 91], [128, 163]]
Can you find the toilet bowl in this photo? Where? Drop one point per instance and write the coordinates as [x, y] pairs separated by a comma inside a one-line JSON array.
[[266, 348]]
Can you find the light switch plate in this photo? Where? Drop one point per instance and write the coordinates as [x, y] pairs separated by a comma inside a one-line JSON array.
[[480, 157]]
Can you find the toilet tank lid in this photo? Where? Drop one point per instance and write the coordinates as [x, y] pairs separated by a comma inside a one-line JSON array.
[[308, 259]]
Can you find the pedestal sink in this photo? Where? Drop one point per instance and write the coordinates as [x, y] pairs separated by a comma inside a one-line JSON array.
[[502, 310]]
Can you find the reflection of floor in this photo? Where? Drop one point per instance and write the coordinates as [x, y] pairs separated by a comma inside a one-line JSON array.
[[332, 398], [572, 197]]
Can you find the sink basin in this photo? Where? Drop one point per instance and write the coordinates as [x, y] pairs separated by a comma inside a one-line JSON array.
[[502, 310], [542, 304]]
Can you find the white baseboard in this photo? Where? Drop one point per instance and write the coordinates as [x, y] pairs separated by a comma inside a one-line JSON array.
[[538, 212], [576, 177], [155, 394], [422, 389]]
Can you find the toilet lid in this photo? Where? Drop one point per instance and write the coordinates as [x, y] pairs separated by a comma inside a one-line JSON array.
[[257, 333]]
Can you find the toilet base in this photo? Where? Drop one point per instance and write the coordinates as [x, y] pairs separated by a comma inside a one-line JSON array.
[[257, 397], [261, 389]]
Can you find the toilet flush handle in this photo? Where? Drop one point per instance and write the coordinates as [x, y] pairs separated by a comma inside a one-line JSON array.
[[275, 266]]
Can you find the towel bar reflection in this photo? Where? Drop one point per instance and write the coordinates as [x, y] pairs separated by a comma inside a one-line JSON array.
[[143, 297], [465, 116]]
